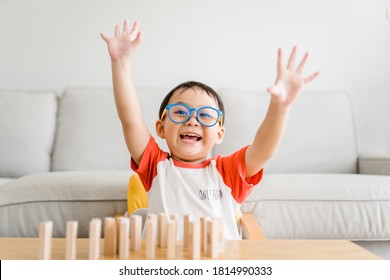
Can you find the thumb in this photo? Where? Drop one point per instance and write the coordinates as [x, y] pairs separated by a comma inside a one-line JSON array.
[[104, 37], [274, 90]]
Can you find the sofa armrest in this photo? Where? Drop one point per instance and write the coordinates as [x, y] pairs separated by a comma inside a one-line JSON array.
[[374, 165]]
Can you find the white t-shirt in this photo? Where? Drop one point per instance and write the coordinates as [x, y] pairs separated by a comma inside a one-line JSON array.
[[215, 188]]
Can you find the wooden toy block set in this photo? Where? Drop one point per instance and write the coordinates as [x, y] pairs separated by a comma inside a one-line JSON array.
[[202, 237]]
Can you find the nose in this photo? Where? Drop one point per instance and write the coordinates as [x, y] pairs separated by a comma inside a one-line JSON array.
[[192, 120]]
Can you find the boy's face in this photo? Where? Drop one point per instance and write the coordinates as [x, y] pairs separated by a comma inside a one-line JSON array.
[[190, 141]]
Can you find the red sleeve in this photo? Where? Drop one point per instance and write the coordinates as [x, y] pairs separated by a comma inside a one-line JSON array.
[[147, 168], [233, 171]]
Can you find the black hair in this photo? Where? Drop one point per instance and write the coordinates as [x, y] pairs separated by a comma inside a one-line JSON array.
[[198, 85]]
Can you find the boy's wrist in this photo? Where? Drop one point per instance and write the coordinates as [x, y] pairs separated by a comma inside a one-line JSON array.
[[121, 62], [277, 103]]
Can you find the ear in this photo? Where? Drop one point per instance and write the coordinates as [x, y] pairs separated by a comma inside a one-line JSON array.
[[160, 129], [220, 135]]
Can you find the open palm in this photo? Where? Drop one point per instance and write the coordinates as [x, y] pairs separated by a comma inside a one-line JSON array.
[[123, 44], [289, 82]]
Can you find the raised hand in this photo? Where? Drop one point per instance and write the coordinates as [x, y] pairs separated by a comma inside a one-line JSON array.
[[289, 81], [123, 44]]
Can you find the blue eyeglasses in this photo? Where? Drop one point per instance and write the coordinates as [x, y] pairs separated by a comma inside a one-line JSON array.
[[180, 113]]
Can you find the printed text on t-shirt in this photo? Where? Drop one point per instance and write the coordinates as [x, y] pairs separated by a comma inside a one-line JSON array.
[[210, 194]]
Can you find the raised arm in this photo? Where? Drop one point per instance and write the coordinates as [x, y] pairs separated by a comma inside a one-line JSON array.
[[121, 48], [289, 83]]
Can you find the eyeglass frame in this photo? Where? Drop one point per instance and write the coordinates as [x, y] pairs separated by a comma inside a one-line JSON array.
[[191, 109]]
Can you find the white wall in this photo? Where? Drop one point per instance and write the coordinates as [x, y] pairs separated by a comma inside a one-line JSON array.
[[52, 44]]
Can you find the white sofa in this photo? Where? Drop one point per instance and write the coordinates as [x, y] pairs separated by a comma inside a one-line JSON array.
[[63, 157]]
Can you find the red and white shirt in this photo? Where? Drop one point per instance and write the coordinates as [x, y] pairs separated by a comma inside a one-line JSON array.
[[214, 188]]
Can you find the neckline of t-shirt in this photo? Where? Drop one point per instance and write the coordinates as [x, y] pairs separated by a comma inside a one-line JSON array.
[[183, 164]]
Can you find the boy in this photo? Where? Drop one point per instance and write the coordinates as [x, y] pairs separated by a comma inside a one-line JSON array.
[[186, 181]]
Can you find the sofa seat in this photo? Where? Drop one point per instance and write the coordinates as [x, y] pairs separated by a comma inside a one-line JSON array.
[[4, 181], [61, 197], [322, 206]]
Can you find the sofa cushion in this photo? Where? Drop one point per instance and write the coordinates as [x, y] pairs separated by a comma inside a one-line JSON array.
[[3, 181], [319, 137], [27, 128], [89, 133], [322, 206], [151, 99], [61, 197]]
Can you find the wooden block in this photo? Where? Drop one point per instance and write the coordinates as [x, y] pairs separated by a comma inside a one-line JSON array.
[[71, 238], [150, 242], [110, 236], [154, 219], [135, 233], [194, 240], [203, 232], [117, 220], [173, 217], [212, 239], [221, 236], [171, 239], [124, 241], [117, 223], [45, 238], [95, 228], [162, 230], [186, 219]]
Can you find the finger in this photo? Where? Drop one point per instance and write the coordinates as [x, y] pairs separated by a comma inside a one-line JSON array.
[[117, 30], [291, 61], [138, 39], [280, 61], [303, 62], [134, 31], [135, 26], [125, 27], [311, 77], [104, 37]]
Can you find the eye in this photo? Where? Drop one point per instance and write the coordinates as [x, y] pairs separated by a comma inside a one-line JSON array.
[[205, 115], [181, 112], [208, 113]]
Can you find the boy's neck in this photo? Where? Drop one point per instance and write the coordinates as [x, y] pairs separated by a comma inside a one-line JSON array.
[[189, 161]]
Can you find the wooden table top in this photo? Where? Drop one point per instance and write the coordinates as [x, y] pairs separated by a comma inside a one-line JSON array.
[[27, 249]]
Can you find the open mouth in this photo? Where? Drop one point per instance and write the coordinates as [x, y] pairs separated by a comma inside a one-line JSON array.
[[190, 137]]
